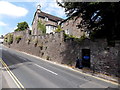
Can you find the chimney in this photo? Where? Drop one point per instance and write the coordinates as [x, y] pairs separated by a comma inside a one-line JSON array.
[[38, 8]]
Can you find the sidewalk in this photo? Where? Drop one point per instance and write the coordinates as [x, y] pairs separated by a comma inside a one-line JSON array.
[[106, 77]]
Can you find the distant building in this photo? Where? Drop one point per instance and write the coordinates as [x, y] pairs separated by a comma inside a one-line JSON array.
[[51, 22], [1, 39]]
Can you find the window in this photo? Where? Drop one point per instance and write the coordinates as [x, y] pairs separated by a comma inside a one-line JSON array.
[[62, 25], [67, 31], [46, 19], [58, 22]]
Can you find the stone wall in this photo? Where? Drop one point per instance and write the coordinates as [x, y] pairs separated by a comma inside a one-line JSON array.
[[70, 27], [55, 47]]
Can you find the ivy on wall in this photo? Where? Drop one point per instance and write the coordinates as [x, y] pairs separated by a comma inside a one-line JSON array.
[[41, 26], [9, 38]]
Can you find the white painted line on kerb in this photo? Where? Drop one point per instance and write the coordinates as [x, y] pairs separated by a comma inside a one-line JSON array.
[[46, 69]]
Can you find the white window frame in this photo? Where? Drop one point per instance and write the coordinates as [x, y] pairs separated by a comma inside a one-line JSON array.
[[46, 18]]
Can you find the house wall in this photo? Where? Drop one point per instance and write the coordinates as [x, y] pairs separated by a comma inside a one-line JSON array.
[[55, 47], [50, 25], [35, 22], [50, 28], [70, 26], [34, 25]]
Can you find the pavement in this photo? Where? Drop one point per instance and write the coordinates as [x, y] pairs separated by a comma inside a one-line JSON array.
[[27, 71]]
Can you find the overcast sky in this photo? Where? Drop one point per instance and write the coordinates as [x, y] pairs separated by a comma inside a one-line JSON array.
[[15, 11]]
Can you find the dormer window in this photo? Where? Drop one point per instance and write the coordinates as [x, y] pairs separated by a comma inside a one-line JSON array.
[[46, 18]]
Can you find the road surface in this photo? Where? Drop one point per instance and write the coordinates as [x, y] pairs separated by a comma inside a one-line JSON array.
[[26, 71]]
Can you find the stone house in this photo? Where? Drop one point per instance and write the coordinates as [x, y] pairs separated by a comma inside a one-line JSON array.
[[70, 26], [51, 22]]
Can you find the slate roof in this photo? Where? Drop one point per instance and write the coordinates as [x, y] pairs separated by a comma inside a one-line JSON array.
[[50, 17]]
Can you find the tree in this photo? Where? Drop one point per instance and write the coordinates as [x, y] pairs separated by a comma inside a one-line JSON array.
[[22, 26], [101, 19], [41, 27]]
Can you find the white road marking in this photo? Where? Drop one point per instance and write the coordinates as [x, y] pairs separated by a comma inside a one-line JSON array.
[[14, 78], [55, 63], [46, 69]]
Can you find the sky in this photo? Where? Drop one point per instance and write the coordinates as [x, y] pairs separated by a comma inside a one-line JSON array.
[[13, 12]]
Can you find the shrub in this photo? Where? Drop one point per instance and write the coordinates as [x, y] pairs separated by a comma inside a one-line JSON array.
[[69, 36], [5, 38], [66, 37], [41, 26], [9, 38], [18, 38], [59, 29], [82, 37], [22, 26], [35, 41]]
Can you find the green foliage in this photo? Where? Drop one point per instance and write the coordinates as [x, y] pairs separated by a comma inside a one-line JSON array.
[[22, 26], [28, 40], [59, 29], [69, 36], [83, 37], [35, 41], [5, 38], [75, 38], [41, 26], [48, 58], [9, 38], [106, 21], [18, 38]]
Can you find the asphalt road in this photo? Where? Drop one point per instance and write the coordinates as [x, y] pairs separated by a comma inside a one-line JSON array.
[[35, 73]]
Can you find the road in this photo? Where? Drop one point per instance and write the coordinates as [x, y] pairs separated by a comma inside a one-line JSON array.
[[31, 72]]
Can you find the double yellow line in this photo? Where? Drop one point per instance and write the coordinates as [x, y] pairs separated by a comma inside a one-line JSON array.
[[14, 78]]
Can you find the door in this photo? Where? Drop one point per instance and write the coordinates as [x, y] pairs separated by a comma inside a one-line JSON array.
[[86, 58]]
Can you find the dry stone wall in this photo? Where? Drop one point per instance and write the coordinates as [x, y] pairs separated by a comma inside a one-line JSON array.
[[54, 47]]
